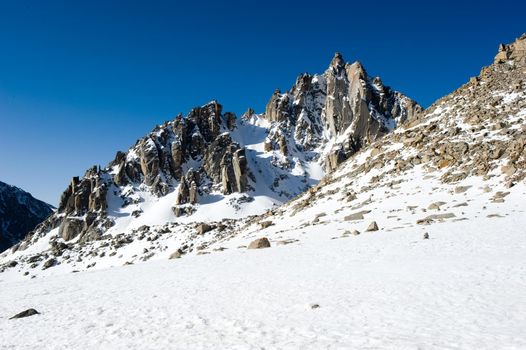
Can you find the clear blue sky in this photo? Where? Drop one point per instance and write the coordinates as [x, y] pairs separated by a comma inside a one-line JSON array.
[[80, 80]]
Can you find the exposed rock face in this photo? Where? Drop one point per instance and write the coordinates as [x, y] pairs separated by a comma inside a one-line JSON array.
[[202, 156], [187, 191], [149, 156], [19, 214], [342, 101], [515, 52], [70, 228], [225, 163], [88, 194], [478, 130]]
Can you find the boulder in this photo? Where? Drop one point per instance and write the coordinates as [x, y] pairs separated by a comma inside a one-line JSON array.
[[435, 205], [430, 218], [356, 216], [265, 224], [259, 243], [372, 227], [177, 254], [49, 263], [26, 313], [204, 228]]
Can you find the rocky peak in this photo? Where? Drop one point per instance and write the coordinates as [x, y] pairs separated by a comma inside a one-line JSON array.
[[211, 156], [344, 100], [514, 52], [337, 63], [164, 190]]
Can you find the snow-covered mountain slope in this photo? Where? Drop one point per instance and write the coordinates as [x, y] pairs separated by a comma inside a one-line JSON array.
[[415, 241], [19, 214], [210, 165], [463, 288], [457, 162]]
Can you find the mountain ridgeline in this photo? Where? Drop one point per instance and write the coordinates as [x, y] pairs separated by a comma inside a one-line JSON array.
[[323, 157], [211, 155]]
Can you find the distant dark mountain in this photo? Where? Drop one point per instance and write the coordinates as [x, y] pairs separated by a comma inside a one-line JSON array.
[[20, 212]]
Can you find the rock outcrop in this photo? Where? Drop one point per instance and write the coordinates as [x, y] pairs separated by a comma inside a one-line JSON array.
[[225, 162], [195, 167], [514, 52], [202, 157], [344, 101]]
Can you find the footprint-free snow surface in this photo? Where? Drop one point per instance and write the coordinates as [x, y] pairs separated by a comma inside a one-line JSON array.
[[463, 288]]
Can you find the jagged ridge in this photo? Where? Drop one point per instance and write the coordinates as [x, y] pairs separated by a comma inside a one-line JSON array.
[[242, 165]]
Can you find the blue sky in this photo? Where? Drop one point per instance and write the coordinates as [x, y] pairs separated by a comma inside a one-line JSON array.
[[80, 80]]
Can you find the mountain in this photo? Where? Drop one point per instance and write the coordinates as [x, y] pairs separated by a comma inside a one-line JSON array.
[[210, 165], [412, 237], [19, 214], [327, 155]]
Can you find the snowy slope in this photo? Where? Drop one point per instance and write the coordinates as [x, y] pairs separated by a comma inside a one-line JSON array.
[[416, 241], [211, 166], [455, 162], [461, 289]]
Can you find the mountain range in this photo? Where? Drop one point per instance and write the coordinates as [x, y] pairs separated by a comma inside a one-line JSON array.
[[343, 216], [211, 177]]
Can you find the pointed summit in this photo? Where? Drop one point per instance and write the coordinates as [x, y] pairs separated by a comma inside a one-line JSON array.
[[356, 70], [337, 61], [515, 51]]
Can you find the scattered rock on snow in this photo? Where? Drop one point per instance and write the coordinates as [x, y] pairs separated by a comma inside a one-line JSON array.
[[259, 243], [26, 313], [373, 226], [356, 216], [429, 219], [461, 189], [204, 228], [265, 224], [49, 263], [435, 205], [286, 241], [177, 254]]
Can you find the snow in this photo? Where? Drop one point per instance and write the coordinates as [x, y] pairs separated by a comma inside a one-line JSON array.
[[462, 288]]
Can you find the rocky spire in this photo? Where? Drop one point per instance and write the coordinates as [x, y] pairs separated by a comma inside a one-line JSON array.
[[344, 100], [207, 145], [337, 61], [515, 52]]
